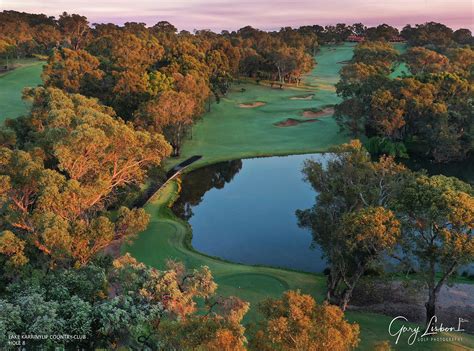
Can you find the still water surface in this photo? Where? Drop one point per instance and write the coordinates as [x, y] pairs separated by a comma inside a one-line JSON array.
[[244, 211]]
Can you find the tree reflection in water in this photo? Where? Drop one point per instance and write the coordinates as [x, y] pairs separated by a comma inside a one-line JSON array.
[[199, 182]]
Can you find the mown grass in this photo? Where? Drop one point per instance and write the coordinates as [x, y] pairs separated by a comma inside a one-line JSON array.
[[231, 132], [26, 74]]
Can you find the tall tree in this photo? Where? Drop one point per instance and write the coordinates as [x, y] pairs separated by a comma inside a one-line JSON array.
[[365, 235], [351, 189], [438, 224], [75, 29], [172, 113], [74, 71], [76, 156], [421, 60]]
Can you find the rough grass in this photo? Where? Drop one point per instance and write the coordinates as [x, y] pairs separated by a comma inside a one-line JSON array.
[[12, 83]]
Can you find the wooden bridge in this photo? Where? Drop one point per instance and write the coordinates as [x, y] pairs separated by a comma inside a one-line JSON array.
[[173, 172]]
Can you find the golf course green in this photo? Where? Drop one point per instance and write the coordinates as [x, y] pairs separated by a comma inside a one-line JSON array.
[[237, 128], [12, 83], [230, 131], [243, 125]]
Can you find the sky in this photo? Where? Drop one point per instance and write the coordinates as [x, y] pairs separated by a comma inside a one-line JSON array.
[[263, 14]]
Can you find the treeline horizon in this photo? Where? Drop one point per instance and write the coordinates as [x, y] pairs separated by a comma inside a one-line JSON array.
[[92, 25], [162, 80]]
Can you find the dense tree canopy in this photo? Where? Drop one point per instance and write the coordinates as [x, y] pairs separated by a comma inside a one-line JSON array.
[[118, 100], [72, 156], [296, 322], [429, 111]]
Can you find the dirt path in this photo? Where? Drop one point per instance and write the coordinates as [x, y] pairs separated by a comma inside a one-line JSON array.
[[400, 299]]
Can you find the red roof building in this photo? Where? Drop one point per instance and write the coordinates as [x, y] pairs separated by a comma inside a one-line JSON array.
[[355, 38]]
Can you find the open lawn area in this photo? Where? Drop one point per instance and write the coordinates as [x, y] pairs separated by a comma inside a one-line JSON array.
[[12, 83]]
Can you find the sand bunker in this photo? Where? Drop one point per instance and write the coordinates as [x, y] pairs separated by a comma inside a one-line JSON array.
[[251, 104], [304, 97], [293, 122], [325, 112]]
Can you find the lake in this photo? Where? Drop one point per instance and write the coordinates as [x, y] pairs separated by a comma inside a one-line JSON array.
[[244, 211]]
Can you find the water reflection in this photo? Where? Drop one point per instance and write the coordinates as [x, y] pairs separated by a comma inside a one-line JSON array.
[[244, 211], [200, 181]]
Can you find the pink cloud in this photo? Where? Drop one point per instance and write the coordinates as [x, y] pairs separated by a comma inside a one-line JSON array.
[[264, 14]]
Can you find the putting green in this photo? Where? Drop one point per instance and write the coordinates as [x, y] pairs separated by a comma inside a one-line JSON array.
[[166, 238], [12, 84]]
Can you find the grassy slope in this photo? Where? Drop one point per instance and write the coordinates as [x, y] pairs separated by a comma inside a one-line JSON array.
[[230, 132], [248, 282], [12, 84]]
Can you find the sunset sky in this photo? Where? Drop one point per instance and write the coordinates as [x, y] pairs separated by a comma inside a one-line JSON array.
[[263, 14]]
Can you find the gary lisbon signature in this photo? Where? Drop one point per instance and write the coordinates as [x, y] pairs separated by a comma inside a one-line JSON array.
[[431, 329]]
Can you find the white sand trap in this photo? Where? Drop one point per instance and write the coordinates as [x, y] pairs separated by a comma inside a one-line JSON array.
[[306, 97], [252, 104]]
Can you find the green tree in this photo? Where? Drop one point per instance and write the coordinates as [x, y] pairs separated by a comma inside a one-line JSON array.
[[376, 53], [431, 34], [74, 71], [365, 235], [381, 32], [55, 194], [463, 36], [421, 60], [438, 222], [171, 113], [352, 188], [75, 29]]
